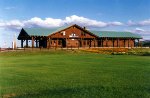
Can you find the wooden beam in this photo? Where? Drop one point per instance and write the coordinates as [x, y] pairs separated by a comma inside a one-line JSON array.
[[138, 43], [118, 42], [113, 42], [26, 43], [94, 42], [128, 43], [124, 43], [21, 43], [32, 42], [106, 42], [36, 43]]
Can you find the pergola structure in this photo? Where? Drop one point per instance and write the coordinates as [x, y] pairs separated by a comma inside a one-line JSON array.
[[76, 36]]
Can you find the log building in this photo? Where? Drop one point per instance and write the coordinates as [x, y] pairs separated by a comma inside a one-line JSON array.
[[76, 36]]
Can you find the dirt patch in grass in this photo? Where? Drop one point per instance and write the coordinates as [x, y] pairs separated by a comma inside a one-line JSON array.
[[9, 95]]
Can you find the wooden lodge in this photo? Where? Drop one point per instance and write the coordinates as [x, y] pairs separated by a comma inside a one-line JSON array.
[[75, 36]]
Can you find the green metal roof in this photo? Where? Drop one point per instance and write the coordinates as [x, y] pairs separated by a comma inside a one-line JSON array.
[[115, 34], [48, 31], [39, 31], [43, 31]]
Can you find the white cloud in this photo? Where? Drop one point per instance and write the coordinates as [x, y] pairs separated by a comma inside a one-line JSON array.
[[74, 19], [116, 23], [48, 22], [139, 29], [13, 24], [145, 22], [140, 23], [143, 32], [51, 22]]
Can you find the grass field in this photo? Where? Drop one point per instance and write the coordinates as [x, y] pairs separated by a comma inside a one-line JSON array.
[[61, 74]]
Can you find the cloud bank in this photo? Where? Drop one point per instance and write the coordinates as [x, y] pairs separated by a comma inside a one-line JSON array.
[[52, 22], [140, 23], [74, 19]]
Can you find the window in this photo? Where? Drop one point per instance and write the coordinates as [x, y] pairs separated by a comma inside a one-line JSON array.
[[73, 35], [59, 42], [63, 33]]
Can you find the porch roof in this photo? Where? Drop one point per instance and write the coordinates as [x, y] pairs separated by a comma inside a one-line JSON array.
[[39, 31], [115, 34]]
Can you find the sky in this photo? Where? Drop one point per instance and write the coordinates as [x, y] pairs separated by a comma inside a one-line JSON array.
[[102, 15]]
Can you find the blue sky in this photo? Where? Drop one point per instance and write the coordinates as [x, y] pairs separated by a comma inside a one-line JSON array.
[[118, 15]]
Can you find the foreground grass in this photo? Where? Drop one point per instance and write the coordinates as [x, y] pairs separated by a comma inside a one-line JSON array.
[[61, 74]]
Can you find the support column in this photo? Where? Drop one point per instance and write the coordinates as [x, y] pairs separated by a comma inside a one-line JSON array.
[[36, 43], [118, 42], [90, 43], [21, 43], [57, 43], [32, 42], [134, 42], [27, 43], [124, 43], [106, 43], [49, 42], [138, 43], [128, 43], [81, 43], [102, 42], [94, 42], [66, 43], [113, 41]]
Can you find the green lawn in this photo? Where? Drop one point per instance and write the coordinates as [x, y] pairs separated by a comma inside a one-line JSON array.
[[61, 74]]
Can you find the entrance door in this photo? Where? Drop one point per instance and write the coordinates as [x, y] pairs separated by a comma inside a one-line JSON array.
[[80, 43], [63, 42], [43, 43]]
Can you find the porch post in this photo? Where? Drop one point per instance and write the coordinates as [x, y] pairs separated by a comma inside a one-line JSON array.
[[102, 42], [128, 43], [113, 42], [134, 42], [66, 43], [49, 42], [124, 43], [21, 43], [36, 43], [32, 42], [57, 42], [94, 42], [106, 42], [118, 42], [138, 43], [26, 43]]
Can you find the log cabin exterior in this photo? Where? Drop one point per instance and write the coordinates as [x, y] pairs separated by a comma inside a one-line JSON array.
[[76, 36]]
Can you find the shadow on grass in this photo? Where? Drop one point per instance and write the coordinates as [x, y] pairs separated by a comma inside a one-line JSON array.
[[86, 92]]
